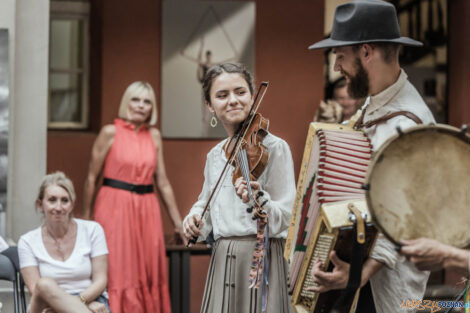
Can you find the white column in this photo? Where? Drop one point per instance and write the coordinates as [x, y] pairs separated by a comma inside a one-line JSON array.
[[28, 113], [7, 21]]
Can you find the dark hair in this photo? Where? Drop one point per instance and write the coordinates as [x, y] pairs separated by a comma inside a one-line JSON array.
[[340, 83], [389, 50], [218, 69], [337, 84]]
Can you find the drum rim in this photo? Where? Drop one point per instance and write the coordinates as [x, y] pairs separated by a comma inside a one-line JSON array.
[[443, 128]]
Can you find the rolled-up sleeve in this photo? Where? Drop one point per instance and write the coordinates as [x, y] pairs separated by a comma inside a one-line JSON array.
[[279, 187], [384, 252]]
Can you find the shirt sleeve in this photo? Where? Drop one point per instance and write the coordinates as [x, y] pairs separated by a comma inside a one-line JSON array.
[[198, 207], [25, 253], [384, 250], [279, 188], [97, 240]]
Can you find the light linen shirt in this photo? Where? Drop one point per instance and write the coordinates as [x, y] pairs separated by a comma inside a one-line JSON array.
[[227, 215], [399, 279]]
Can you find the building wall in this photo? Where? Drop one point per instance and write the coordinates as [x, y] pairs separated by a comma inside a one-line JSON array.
[[459, 78], [459, 62]]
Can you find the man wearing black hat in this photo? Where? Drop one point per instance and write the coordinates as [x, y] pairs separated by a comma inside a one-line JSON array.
[[366, 39]]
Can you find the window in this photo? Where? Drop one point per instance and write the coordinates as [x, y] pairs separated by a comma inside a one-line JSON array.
[[68, 65]]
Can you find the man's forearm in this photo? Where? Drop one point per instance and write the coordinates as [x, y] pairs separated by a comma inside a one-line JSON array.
[[369, 269], [457, 259]]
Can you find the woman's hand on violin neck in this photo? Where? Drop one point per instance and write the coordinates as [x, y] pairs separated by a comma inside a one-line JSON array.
[[242, 190], [192, 226]]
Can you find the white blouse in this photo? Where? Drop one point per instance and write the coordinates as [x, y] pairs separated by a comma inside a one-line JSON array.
[[227, 215]]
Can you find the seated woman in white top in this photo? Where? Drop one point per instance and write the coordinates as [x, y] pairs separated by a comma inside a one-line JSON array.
[[64, 261]]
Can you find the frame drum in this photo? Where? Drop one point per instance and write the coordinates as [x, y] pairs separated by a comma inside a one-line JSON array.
[[418, 185]]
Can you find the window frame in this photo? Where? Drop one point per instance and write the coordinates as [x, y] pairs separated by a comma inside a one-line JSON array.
[[72, 10]]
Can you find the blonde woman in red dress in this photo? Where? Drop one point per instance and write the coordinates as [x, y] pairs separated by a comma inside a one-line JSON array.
[[129, 156]]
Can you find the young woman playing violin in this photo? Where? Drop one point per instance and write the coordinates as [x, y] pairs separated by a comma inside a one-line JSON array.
[[230, 285]]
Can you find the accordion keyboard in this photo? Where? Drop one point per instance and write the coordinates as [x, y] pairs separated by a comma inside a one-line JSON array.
[[322, 249]]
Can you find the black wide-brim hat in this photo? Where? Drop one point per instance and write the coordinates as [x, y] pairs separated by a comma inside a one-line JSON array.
[[363, 22]]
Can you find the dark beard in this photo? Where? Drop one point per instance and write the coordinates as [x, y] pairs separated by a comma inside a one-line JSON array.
[[358, 86]]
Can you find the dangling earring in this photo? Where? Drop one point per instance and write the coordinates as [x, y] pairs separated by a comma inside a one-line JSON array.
[[213, 121]]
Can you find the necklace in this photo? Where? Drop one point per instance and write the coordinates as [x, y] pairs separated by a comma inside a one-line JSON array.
[[57, 244]]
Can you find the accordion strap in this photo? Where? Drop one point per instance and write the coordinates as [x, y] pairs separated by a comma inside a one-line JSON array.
[[359, 124], [385, 118], [355, 269]]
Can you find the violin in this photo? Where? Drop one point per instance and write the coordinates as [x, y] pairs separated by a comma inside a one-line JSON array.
[[247, 154], [252, 143]]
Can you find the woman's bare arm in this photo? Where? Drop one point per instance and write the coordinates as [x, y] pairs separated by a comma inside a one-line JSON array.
[[98, 155], [164, 186]]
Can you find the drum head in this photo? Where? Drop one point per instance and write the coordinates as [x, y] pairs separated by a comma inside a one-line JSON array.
[[419, 186]]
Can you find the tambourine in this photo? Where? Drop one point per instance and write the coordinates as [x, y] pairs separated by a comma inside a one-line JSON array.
[[418, 185]]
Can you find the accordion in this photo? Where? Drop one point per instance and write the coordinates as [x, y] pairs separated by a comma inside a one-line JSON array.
[[329, 190]]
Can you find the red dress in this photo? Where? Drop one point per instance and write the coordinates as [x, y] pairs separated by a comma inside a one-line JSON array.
[[137, 273]]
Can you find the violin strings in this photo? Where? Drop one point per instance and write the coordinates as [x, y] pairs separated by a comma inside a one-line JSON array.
[[243, 162]]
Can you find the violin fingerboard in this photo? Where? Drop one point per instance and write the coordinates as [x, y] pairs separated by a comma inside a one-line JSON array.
[[245, 169]]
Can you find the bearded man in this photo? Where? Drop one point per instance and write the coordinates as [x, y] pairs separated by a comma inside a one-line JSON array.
[[366, 40]]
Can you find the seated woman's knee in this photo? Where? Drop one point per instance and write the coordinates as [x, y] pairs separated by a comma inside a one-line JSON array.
[[45, 287]]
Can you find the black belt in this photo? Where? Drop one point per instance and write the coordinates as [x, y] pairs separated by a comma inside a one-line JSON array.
[[140, 189]]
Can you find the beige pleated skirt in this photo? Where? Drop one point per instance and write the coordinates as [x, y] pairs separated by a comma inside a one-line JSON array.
[[227, 283]]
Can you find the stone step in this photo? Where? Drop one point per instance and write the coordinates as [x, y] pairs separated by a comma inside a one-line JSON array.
[[7, 296], [6, 300]]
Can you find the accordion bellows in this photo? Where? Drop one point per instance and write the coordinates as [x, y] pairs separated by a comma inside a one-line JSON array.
[[333, 171]]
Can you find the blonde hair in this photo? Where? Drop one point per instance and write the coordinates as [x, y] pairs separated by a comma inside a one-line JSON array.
[[58, 178], [137, 89]]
